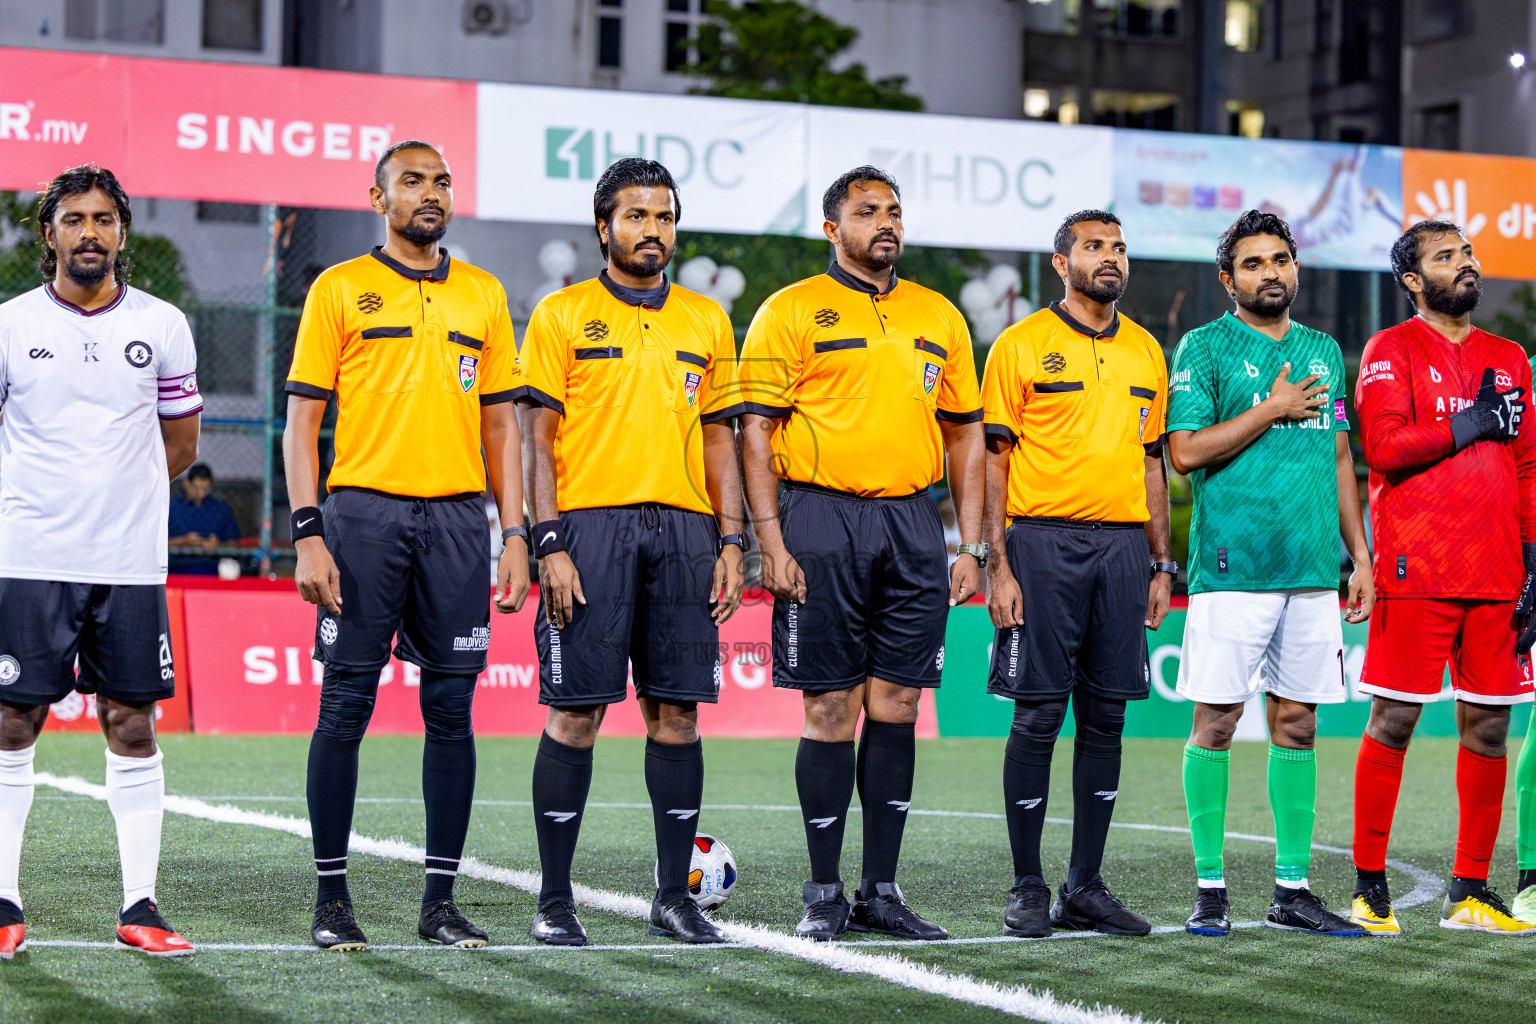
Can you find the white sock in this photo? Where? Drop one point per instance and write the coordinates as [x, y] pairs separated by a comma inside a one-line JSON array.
[[1211, 883], [15, 802], [1286, 883], [136, 794]]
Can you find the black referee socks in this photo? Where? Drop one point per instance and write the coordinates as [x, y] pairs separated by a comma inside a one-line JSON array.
[[887, 758], [824, 775], [562, 776], [674, 776]]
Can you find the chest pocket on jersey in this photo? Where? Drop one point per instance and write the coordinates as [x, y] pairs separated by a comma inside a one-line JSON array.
[[689, 375], [1058, 408], [838, 368], [464, 360], [1139, 427], [928, 375], [389, 361], [597, 377]]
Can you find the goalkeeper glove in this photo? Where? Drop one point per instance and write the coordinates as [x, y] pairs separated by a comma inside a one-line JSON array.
[[1494, 415], [1524, 621]]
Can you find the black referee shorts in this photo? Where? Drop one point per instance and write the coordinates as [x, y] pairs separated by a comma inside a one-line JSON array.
[[645, 572], [120, 633], [418, 568], [1085, 588], [877, 591]]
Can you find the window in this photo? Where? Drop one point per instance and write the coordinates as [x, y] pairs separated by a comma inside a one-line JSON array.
[[1354, 41], [683, 18], [1245, 119], [1154, 111], [1051, 103], [1243, 21], [1439, 127], [1439, 19], [610, 37], [1137, 18], [118, 21], [232, 25]]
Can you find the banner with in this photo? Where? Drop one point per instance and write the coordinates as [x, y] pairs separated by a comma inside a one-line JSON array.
[[1177, 193], [966, 709], [1493, 198], [739, 164], [966, 181], [250, 656], [58, 110]]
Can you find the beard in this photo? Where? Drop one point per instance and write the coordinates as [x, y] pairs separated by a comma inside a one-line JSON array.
[[1093, 287], [1452, 300], [85, 275], [641, 264], [878, 262], [423, 234], [1266, 306]]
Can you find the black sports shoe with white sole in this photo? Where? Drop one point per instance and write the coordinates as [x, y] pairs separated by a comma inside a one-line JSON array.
[[884, 909], [442, 922], [336, 928]]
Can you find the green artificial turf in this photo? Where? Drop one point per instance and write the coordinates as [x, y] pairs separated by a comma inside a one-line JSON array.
[[223, 883]]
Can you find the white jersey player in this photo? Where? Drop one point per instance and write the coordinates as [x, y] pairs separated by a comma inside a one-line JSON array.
[[99, 409]]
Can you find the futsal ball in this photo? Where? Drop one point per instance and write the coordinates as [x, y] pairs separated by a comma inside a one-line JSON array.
[[712, 875]]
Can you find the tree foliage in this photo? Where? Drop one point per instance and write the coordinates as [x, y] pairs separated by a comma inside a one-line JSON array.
[[1517, 320], [782, 50]]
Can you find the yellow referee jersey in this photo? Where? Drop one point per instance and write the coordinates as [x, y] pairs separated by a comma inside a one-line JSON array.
[[862, 378], [632, 381], [411, 356], [1081, 409]]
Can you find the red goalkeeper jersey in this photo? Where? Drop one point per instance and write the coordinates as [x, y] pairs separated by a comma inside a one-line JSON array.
[[1444, 523]]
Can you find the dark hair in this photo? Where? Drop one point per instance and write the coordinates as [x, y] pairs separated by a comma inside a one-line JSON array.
[[1409, 248], [836, 195], [77, 181], [379, 177], [1065, 236], [622, 174], [1251, 223], [200, 471]]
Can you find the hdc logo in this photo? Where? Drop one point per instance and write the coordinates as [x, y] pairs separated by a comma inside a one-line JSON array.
[[572, 153]]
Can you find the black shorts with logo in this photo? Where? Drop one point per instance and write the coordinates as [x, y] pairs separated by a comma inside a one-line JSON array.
[[877, 591], [645, 572], [119, 632], [1085, 588], [418, 568]]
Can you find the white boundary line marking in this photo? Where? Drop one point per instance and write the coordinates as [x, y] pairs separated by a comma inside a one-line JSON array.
[[1018, 1000]]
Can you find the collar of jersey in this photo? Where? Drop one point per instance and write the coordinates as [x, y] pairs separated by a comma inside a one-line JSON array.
[[1082, 328], [437, 273], [629, 297], [122, 290], [858, 284], [1258, 333]]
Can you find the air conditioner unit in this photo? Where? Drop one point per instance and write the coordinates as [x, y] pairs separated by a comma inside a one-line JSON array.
[[487, 17]]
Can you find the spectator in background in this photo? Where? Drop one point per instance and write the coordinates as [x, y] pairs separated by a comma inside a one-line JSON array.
[[198, 524]]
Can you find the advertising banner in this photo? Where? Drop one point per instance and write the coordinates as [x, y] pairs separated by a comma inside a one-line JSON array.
[[58, 110], [1177, 193], [966, 709], [250, 656], [966, 181], [1493, 198], [739, 165]]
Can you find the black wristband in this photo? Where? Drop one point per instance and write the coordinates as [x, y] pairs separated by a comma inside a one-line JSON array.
[[306, 522], [514, 531], [548, 538]]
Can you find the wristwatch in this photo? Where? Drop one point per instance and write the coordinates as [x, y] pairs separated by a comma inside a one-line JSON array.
[[979, 551], [739, 539], [514, 531], [1171, 568]]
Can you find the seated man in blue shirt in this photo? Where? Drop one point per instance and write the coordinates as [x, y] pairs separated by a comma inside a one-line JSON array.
[[199, 522]]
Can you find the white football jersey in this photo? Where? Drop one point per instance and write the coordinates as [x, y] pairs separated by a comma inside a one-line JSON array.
[[83, 487]]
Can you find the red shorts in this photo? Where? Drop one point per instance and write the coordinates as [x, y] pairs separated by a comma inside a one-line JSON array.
[[1411, 640]]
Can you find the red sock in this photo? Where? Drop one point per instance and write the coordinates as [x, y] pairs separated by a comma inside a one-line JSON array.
[[1378, 776], [1480, 794]]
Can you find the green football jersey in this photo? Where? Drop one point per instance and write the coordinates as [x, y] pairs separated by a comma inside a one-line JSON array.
[[1268, 519]]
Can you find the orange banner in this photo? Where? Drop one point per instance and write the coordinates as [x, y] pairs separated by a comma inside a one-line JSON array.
[[1493, 198]]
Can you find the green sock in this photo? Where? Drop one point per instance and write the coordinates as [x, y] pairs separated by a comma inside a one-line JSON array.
[[1205, 793], [1293, 800], [1525, 801]]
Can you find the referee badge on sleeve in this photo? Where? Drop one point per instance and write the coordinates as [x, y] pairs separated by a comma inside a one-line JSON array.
[[468, 365], [930, 377]]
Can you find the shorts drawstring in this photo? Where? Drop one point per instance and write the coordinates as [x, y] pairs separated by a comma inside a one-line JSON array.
[[650, 517]]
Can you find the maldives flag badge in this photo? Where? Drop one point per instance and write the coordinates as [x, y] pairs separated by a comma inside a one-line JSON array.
[[691, 386], [930, 377], [467, 368]]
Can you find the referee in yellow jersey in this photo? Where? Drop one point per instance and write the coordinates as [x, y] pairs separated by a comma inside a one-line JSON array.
[[417, 350], [636, 496], [1076, 402], [857, 384]]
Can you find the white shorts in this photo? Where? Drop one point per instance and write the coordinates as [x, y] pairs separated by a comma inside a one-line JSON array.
[[1240, 643]]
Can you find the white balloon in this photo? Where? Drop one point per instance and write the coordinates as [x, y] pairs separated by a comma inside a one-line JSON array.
[[557, 258], [1004, 278], [730, 282], [698, 274], [975, 297]]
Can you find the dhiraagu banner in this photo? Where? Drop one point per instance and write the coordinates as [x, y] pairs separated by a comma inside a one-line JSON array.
[[739, 165], [966, 709]]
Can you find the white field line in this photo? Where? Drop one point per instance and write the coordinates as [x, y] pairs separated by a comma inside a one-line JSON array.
[[1019, 1001], [1426, 884]]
